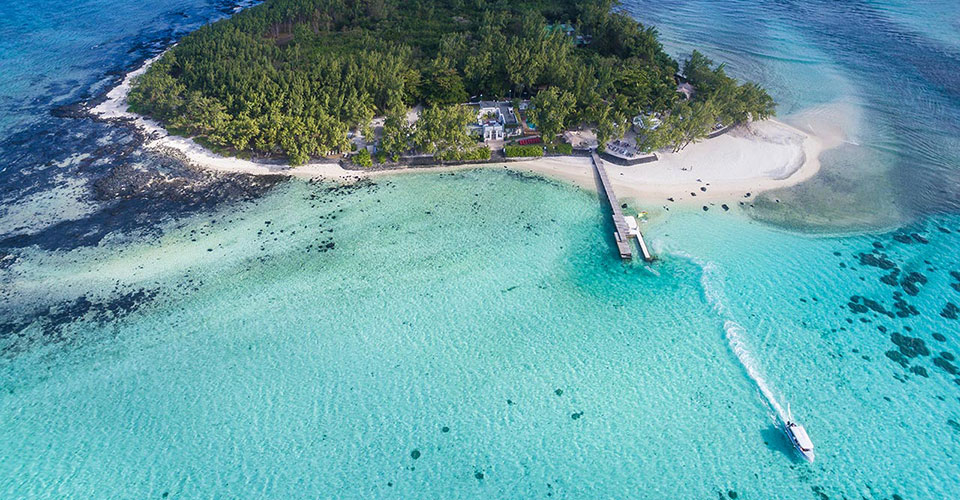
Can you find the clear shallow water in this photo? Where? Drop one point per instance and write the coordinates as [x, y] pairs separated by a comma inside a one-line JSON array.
[[466, 302], [171, 340]]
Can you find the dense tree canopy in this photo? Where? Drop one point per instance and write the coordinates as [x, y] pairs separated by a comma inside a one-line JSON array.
[[718, 100], [293, 77], [550, 110]]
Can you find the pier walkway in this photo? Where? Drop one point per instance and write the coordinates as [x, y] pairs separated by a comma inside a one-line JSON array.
[[623, 232]]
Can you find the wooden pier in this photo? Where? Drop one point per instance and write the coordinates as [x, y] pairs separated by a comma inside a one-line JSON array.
[[623, 233]]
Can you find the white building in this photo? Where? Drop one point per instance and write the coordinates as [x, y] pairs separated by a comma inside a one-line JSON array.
[[493, 118], [492, 131]]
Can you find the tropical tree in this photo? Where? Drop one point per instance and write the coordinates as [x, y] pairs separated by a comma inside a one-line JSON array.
[[442, 131], [550, 109], [396, 134]]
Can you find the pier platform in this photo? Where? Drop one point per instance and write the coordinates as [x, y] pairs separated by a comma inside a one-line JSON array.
[[623, 231]]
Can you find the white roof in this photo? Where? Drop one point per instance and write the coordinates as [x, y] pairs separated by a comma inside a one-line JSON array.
[[654, 121], [800, 434]]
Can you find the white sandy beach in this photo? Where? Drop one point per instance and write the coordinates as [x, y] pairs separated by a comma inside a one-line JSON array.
[[751, 159]]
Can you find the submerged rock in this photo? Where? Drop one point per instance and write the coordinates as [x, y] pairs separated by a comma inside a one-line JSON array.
[[892, 278], [946, 365], [881, 261], [950, 311], [904, 309], [897, 357], [911, 281], [860, 305], [911, 347], [903, 238]]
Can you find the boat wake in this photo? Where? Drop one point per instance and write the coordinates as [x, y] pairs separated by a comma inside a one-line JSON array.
[[739, 347], [711, 284]]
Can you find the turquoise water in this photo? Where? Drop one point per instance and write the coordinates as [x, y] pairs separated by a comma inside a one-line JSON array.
[[266, 366], [473, 334]]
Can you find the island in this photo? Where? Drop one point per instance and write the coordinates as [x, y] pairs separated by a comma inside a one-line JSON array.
[[324, 89], [299, 79]]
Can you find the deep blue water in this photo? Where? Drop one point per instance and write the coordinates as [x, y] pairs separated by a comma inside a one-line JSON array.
[[895, 62]]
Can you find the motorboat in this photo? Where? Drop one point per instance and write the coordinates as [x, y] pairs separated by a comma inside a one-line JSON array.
[[798, 436]]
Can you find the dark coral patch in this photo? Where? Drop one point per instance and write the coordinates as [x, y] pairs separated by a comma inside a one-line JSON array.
[[911, 347], [415, 454], [875, 260], [903, 238], [950, 311], [898, 358], [892, 278], [911, 283], [904, 309], [940, 337], [857, 307], [861, 305], [946, 365], [819, 493]]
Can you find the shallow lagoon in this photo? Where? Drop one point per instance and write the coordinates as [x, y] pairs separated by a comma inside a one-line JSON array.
[[472, 334], [486, 303]]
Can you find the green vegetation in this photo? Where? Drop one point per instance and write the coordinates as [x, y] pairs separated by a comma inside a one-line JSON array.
[[514, 151], [292, 77], [363, 159], [560, 149], [442, 131], [476, 154], [550, 109], [718, 100]]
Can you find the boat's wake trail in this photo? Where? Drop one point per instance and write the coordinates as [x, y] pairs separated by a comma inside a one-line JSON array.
[[739, 347], [711, 283]]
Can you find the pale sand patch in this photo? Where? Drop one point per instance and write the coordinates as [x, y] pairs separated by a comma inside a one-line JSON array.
[[751, 159]]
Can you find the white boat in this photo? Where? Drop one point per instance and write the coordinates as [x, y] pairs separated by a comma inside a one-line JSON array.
[[798, 436]]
